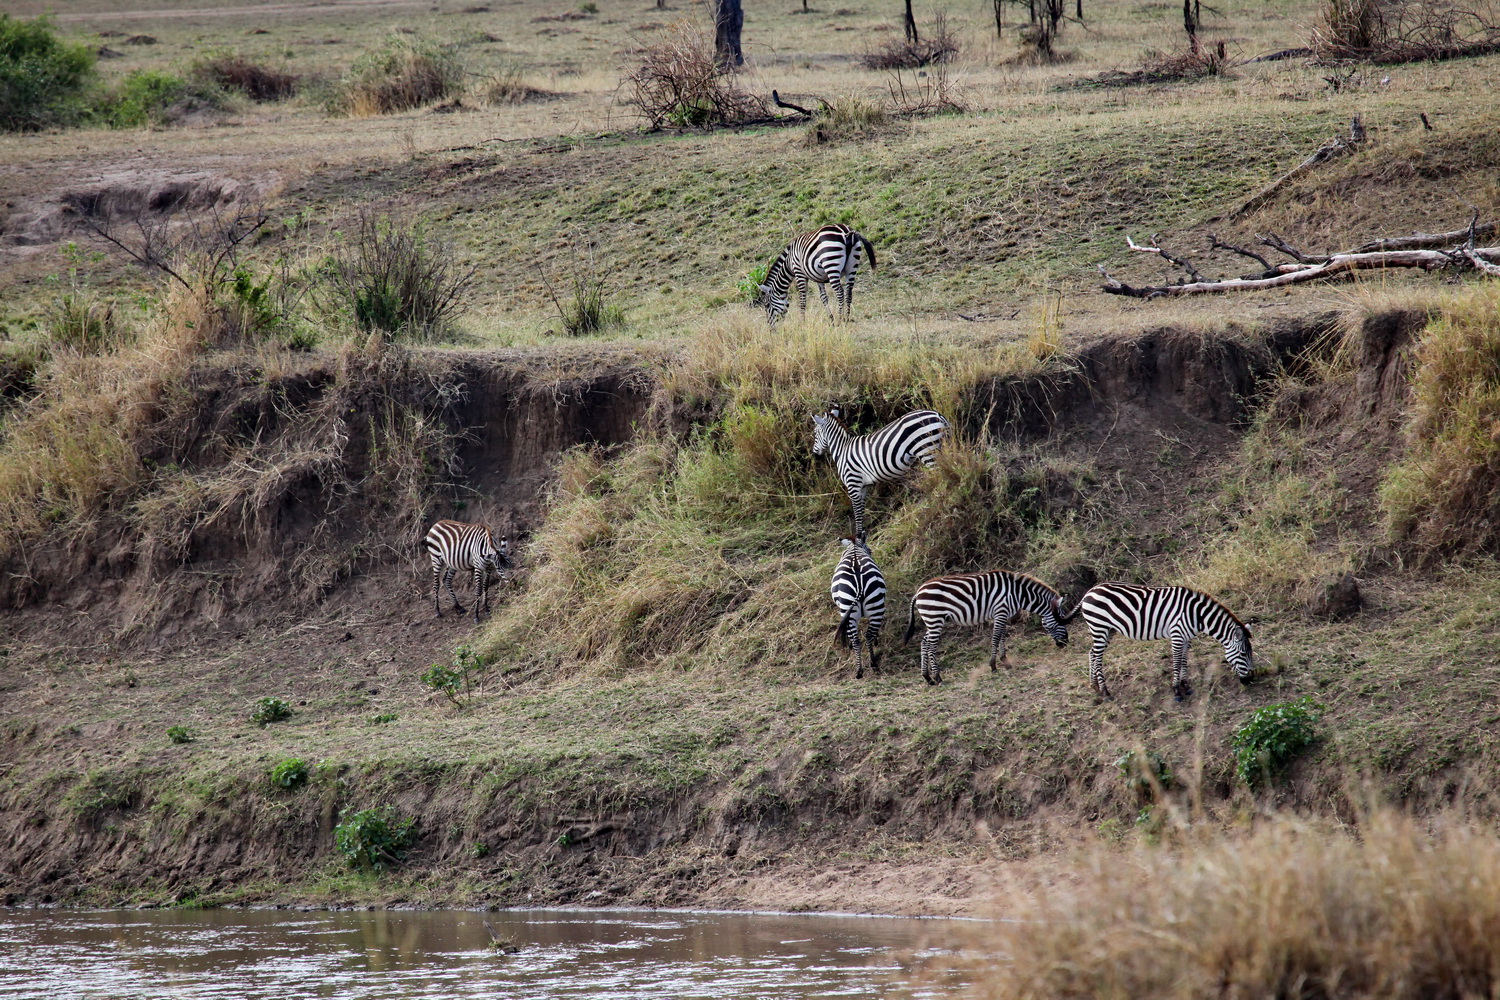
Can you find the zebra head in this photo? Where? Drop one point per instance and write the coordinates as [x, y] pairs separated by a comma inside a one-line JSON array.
[[826, 429], [1051, 613], [1237, 651], [498, 552]]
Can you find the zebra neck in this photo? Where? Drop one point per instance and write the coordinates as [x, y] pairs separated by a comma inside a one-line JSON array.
[[838, 439], [1221, 625], [779, 277]]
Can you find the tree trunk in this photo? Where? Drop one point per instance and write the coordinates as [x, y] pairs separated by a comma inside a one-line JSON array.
[[729, 19], [1078, 13], [999, 18], [911, 25], [1190, 24]]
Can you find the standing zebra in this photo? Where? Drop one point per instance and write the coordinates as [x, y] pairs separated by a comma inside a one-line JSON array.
[[828, 256], [454, 544], [1175, 613], [859, 594], [881, 456], [976, 598]]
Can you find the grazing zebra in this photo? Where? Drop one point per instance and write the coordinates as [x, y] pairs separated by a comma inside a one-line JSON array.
[[454, 544], [1175, 613], [881, 456], [976, 598], [859, 593], [828, 256]]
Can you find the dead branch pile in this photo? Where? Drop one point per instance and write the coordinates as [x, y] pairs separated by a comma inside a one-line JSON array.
[[1455, 250], [1397, 31], [681, 83]]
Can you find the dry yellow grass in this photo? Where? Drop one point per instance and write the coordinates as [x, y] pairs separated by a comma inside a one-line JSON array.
[[1392, 908]]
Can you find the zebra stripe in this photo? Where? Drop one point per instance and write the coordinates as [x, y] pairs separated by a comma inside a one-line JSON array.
[[453, 545], [997, 597], [1175, 613], [829, 256], [858, 592], [881, 456]]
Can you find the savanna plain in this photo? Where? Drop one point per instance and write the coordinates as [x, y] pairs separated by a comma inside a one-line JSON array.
[[285, 284]]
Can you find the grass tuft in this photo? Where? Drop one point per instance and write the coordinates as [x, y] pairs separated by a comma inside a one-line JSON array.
[[406, 72]]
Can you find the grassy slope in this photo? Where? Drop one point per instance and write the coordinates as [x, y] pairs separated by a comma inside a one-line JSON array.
[[776, 749]]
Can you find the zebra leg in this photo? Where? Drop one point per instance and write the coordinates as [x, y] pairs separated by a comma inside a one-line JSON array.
[[436, 576], [1180, 687], [857, 507], [849, 299], [480, 597], [930, 672], [997, 640], [838, 298], [448, 582], [802, 295], [872, 635], [823, 295], [1096, 663], [854, 643]]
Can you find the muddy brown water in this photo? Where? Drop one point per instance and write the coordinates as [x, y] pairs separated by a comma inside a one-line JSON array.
[[415, 954]]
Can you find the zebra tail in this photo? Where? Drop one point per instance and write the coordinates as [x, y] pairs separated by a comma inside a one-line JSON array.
[[869, 249], [911, 620], [842, 629], [1077, 606]]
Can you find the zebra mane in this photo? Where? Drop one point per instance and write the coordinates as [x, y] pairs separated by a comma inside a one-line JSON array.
[[1221, 606]]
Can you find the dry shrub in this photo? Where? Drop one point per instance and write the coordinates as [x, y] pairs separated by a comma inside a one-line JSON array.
[[1395, 911], [1191, 64], [1403, 30], [231, 71], [938, 46], [391, 277], [509, 87], [931, 91], [680, 83], [847, 118], [407, 72], [1444, 495]]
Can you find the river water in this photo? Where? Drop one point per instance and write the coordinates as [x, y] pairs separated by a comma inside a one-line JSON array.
[[417, 955]]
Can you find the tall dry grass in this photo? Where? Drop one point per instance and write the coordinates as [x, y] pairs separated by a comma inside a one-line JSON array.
[[1393, 909], [1444, 495]]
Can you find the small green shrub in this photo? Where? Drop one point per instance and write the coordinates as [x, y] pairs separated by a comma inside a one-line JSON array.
[[290, 773], [43, 80], [180, 734], [78, 317], [586, 311], [383, 718], [479, 849], [749, 285], [1144, 771], [1272, 738], [459, 681], [269, 710], [373, 839], [142, 98], [389, 276]]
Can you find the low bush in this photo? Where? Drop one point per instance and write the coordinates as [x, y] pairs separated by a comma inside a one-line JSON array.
[[43, 80], [1404, 30], [1146, 774], [845, 118], [509, 86], [1272, 738], [234, 72], [390, 276], [180, 734], [459, 680], [288, 774], [938, 46], [406, 72], [269, 710], [373, 839], [146, 96], [680, 83]]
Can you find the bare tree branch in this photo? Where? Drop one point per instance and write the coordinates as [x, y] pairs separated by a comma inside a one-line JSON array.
[[1215, 244], [1335, 266]]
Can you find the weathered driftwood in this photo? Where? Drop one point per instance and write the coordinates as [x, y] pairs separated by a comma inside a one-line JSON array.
[[1306, 267]]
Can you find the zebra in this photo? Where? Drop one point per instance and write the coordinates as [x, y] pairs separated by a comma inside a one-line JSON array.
[[858, 592], [453, 545], [974, 598], [881, 456], [828, 256], [1176, 613]]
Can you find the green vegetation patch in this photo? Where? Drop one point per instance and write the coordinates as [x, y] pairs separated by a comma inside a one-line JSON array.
[[43, 79]]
